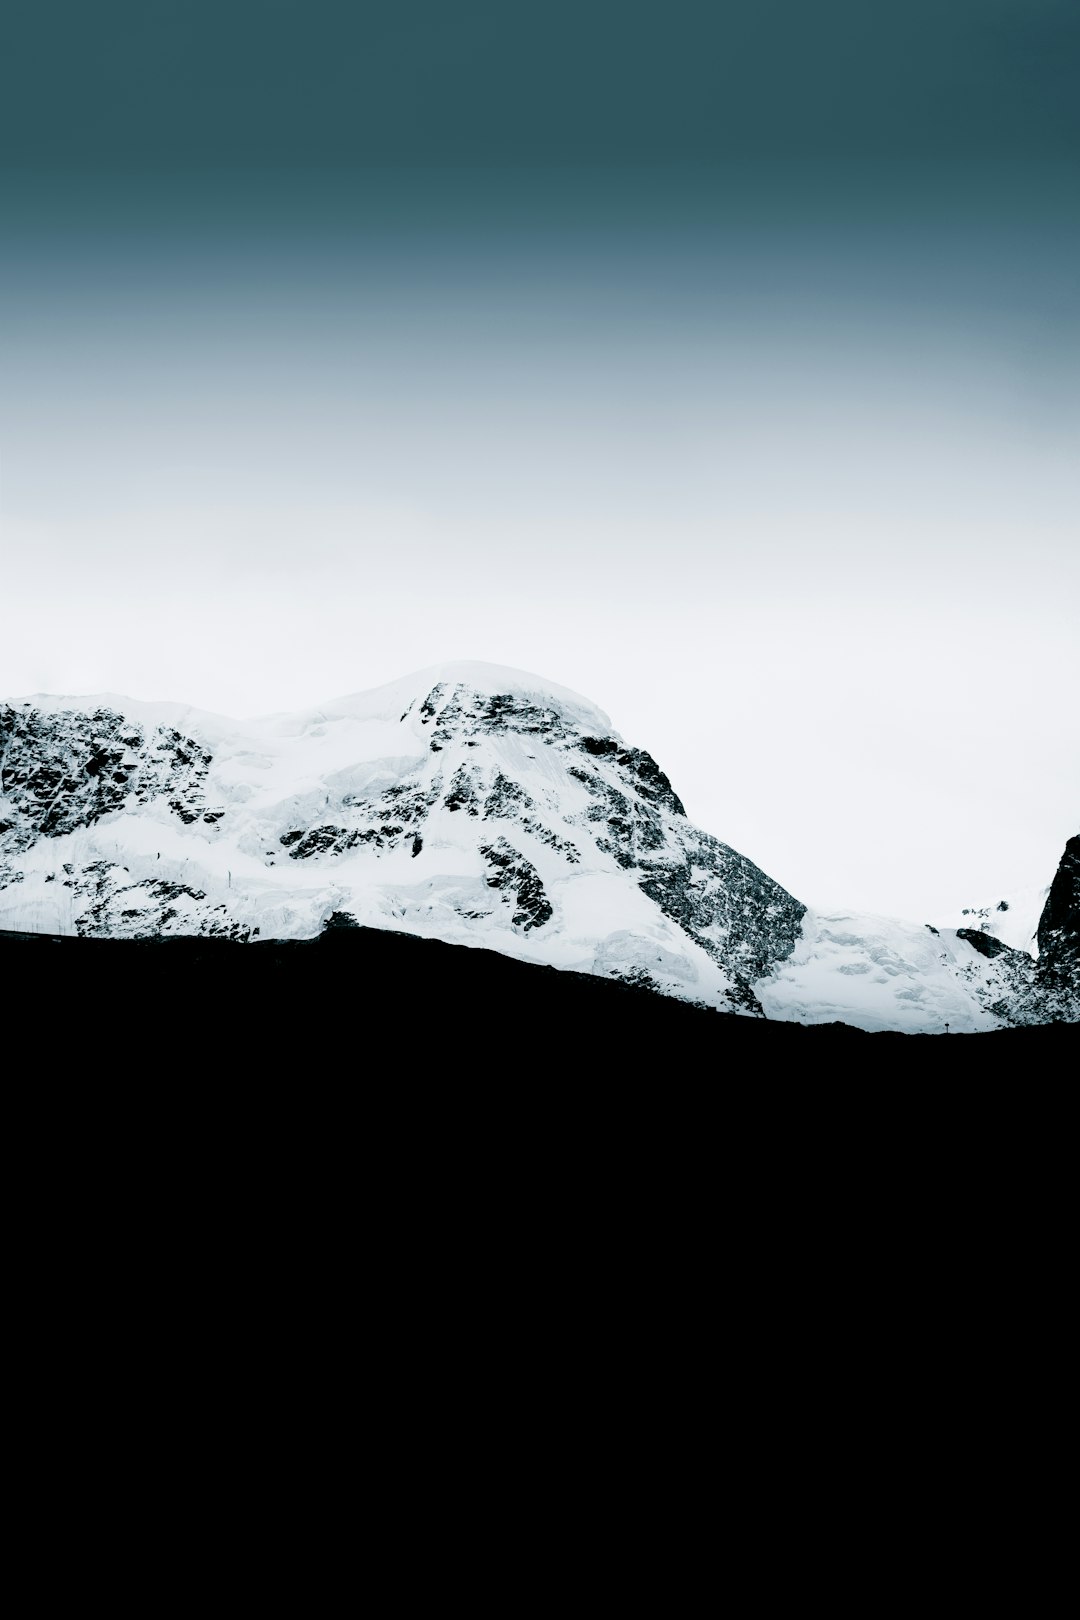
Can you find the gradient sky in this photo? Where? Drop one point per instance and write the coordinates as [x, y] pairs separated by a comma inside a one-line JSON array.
[[719, 361]]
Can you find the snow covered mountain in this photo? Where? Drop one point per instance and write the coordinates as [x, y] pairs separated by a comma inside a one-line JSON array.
[[478, 805]]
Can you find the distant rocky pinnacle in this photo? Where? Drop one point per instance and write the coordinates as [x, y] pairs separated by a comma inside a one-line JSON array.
[[1059, 938], [477, 805]]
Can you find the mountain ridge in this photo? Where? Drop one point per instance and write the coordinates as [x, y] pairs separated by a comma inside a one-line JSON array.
[[467, 802]]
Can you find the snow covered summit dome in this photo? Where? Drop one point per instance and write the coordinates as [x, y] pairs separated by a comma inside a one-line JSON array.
[[390, 702]]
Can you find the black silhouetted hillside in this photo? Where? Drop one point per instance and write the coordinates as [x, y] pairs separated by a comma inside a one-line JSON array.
[[368, 1002]]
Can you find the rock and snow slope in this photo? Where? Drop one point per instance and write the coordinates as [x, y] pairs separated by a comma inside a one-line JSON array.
[[1012, 918], [475, 804]]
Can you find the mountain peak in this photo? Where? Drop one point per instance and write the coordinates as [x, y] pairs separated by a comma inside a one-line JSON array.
[[390, 702]]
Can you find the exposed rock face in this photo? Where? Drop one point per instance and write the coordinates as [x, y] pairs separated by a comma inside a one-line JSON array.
[[109, 904], [1059, 925], [1059, 939], [984, 943], [727, 904], [477, 806], [60, 772], [519, 883]]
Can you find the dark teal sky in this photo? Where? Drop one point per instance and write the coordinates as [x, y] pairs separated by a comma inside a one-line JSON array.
[[148, 85], [719, 361]]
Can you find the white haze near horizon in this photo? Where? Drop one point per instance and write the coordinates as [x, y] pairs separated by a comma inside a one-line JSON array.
[[827, 577]]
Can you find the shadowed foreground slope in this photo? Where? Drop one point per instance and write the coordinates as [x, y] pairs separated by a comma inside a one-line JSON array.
[[368, 1002]]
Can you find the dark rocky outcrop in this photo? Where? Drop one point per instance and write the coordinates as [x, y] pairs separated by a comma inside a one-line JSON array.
[[340, 919], [1059, 938], [108, 905], [734, 910], [519, 882], [331, 840], [985, 944], [643, 771], [62, 771], [458, 713], [1059, 925]]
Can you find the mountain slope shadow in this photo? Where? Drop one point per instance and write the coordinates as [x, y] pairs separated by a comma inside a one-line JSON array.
[[360, 1003]]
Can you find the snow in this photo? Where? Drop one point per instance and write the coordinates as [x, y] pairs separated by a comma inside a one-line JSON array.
[[879, 973]]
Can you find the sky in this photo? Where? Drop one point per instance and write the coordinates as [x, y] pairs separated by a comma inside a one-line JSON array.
[[719, 361]]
